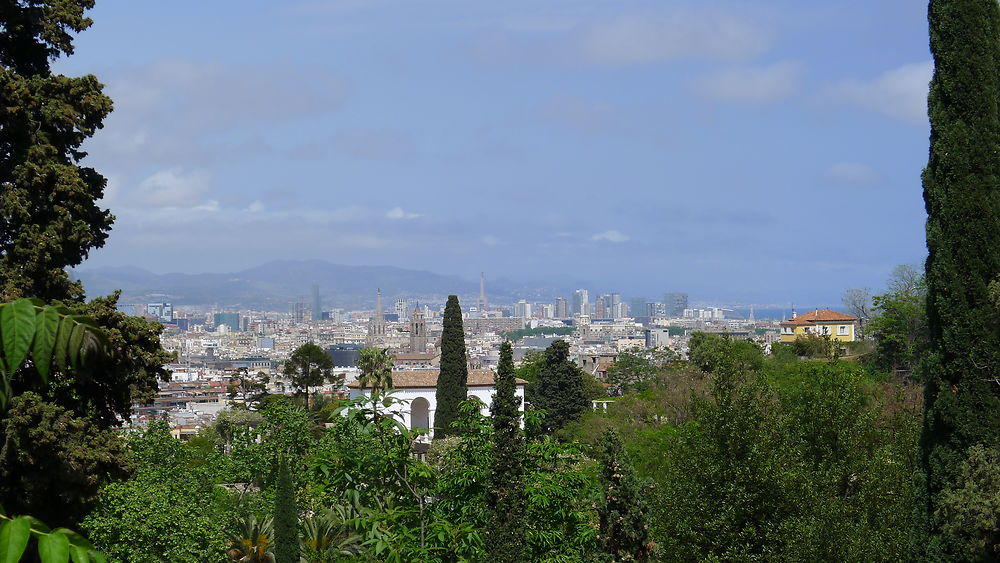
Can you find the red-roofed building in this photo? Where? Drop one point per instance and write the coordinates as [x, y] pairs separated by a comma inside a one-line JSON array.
[[820, 322]]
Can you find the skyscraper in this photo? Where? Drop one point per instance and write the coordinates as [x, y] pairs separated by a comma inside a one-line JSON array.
[[581, 302], [482, 304], [317, 309], [561, 308], [637, 307], [674, 304]]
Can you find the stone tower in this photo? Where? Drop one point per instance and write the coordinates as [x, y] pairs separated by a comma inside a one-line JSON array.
[[418, 331]]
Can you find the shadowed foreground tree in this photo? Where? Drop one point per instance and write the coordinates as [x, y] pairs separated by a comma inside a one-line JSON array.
[[962, 397], [49, 217], [453, 380], [506, 498]]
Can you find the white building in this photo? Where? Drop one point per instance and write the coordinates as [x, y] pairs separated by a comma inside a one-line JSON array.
[[417, 388]]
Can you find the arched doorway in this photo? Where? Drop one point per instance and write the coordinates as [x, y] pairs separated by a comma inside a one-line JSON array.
[[420, 414]]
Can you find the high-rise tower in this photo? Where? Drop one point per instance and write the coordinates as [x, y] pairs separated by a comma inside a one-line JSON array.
[[376, 326], [482, 304], [317, 308]]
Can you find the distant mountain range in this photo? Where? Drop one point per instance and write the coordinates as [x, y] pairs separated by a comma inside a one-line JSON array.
[[273, 285]]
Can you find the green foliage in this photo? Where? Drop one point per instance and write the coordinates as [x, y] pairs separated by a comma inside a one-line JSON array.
[[51, 334], [963, 243], [559, 390], [504, 534], [309, 366], [710, 352], [170, 510], [515, 335], [53, 546], [634, 369], [53, 463], [453, 380], [286, 518], [47, 200], [816, 346], [970, 508], [809, 464], [899, 325], [249, 389], [375, 365], [623, 511]]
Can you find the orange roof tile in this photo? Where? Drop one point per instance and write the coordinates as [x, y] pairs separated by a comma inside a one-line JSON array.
[[820, 316]]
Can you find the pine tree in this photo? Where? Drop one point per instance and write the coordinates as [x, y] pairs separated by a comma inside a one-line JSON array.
[[286, 518], [453, 380], [559, 391], [505, 534], [962, 197], [622, 514], [49, 217]]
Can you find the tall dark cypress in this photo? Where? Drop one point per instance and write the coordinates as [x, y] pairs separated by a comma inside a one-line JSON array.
[[559, 390], [507, 498], [623, 513], [962, 197], [453, 381], [286, 518]]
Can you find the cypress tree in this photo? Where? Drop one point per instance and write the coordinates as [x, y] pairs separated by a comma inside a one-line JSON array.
[[505, 533], [962, 398], [286, 518], [453, 381], [559, 390], [622, 514]]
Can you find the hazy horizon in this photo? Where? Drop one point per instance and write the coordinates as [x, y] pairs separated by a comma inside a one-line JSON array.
[[759, 150]]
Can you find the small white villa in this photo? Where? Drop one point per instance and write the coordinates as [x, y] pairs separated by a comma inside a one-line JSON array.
[[418, 388]]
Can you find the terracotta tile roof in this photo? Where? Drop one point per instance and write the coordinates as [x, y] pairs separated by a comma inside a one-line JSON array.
[[821, 316], [414, 356], [404, 379]]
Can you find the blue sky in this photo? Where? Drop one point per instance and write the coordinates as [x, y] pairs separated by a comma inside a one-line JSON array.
[[756, 151]]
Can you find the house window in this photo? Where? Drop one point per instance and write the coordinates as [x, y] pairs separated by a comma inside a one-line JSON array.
[[842, 330], [826, 330]]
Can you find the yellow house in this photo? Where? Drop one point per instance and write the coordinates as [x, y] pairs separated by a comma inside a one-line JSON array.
[[821, 322]]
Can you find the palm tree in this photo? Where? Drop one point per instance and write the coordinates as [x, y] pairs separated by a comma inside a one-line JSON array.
[[376, 369], [252, 541]]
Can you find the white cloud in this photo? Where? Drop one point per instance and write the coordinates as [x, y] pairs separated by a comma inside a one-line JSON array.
[[900, 93], [398, 213], [853, 173], [490, 240], [751, 85], [255, 207], [639, 40], [610, 236], [170, 188]]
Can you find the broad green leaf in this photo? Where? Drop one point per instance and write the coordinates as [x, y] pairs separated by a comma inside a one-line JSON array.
[[14, 539], [78, 554], [53, 548], [74, 538], [46, 327], [75, 343], [17, 322], [62, 342], [37, 525]]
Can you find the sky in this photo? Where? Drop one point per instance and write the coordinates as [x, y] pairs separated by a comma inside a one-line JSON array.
[[754, 151]]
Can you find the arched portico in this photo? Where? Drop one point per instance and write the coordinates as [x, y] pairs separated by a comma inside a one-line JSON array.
[[420, 416]]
